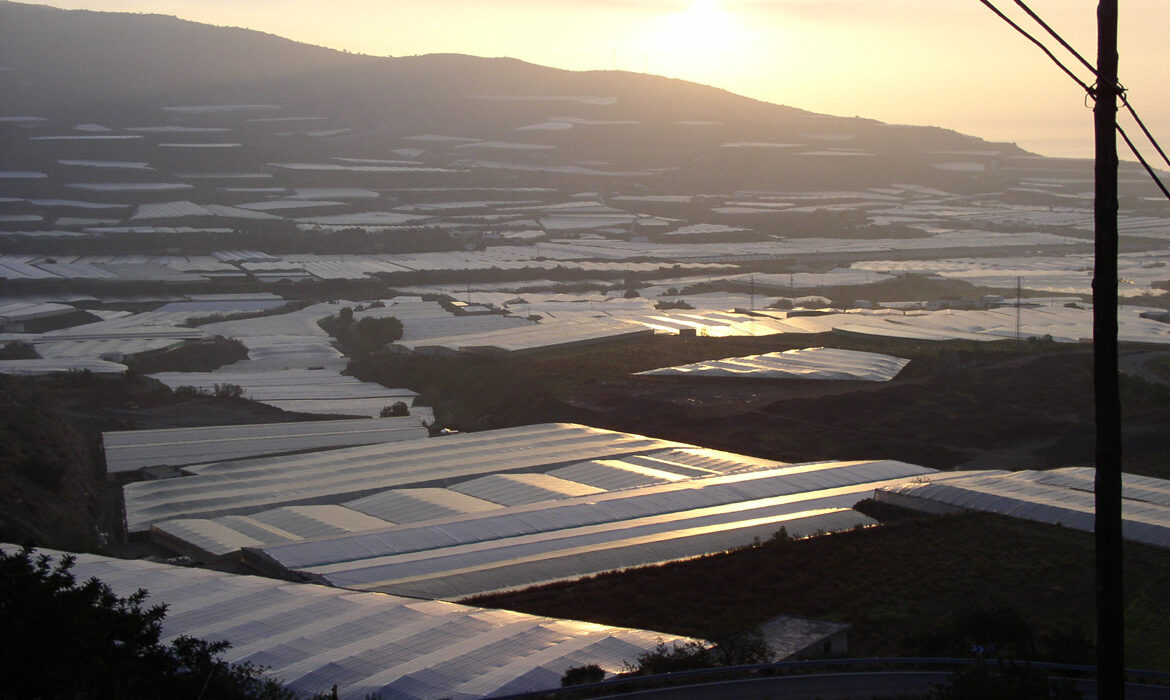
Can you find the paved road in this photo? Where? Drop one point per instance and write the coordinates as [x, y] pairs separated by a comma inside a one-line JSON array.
[[1134, 364], [846, 686]]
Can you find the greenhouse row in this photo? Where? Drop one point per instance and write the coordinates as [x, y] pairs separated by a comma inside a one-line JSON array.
[[314, 637]]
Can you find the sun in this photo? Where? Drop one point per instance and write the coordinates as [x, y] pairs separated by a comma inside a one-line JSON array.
[[694, 39], [704, 21]]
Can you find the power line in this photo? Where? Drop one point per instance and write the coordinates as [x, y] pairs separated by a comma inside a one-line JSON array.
[[1091, 91], [1092, 69], [1058, 37], [1040, 44], [1149, 136], [1142, 160]]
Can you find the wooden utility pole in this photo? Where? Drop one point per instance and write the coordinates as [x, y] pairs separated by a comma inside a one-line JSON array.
[[1110, 610]]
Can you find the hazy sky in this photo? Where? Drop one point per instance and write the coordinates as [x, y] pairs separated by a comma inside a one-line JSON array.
[[948, 63]]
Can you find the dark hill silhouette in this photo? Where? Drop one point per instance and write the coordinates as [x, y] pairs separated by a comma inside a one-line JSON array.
[[124, 69], [81, 58]]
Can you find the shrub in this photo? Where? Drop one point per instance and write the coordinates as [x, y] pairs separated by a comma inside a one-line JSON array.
[[395, 410], [1003, 681], [671, 659], [18, 350], [580, 675], [229, 391], [190, 391], [108, 644], [375, 333]]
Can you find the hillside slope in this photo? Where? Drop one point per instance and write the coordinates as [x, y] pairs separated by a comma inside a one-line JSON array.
[[93, 65]]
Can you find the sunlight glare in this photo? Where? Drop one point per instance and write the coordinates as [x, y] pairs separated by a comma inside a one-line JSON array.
[[704, 21], [698, 38]]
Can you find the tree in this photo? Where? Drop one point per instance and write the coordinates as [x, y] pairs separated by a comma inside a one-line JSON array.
[[579, 675], [64, 640], [18, 350], [375, 333], [732, 649], [229, 391], [395, 410]]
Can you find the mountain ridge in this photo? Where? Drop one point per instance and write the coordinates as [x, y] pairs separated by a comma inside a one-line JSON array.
[[123, 71], [77, 60]]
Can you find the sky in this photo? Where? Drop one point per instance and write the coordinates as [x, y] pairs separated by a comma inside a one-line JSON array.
[[948, 63]]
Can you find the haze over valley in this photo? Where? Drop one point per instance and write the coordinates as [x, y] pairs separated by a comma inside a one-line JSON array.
[[396, 331]]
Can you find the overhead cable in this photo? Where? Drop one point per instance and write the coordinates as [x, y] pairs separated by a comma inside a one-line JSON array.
[[1092, 69], [1089, 90], [1142, 160]]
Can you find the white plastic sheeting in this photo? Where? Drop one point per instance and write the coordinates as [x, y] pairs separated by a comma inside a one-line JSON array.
[[32, 368], [1060, 496], [807, 363], [524, 561], [550, 540], [292, 365], [1064, 274], [335, 476], [312, 637], [518, 489], [209, 539], [417, 505], [531, 337], [212, 538], [129, 450], [422, 320]]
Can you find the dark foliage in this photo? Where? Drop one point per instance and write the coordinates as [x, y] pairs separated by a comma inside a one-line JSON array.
[[229, 391], [672, 658], [579, 675], [734, 649], [196, 321], [18, 350], [108, 644], [901, 586], [49, 479], [197, 356], [1001, 630], [364, 336], [1004, 680], [395, 410]]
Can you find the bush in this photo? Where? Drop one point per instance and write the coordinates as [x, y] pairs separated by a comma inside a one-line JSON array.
[[580, 675], [395, 410], [68, 640], [189, 391], [1003, 681], [43, 472], [672, 659], [18, 350], [375, 333], [366, 335], [229, 391]]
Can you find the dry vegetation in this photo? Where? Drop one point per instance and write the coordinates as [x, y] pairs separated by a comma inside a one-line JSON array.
[[1001, 405], [914, 586]]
